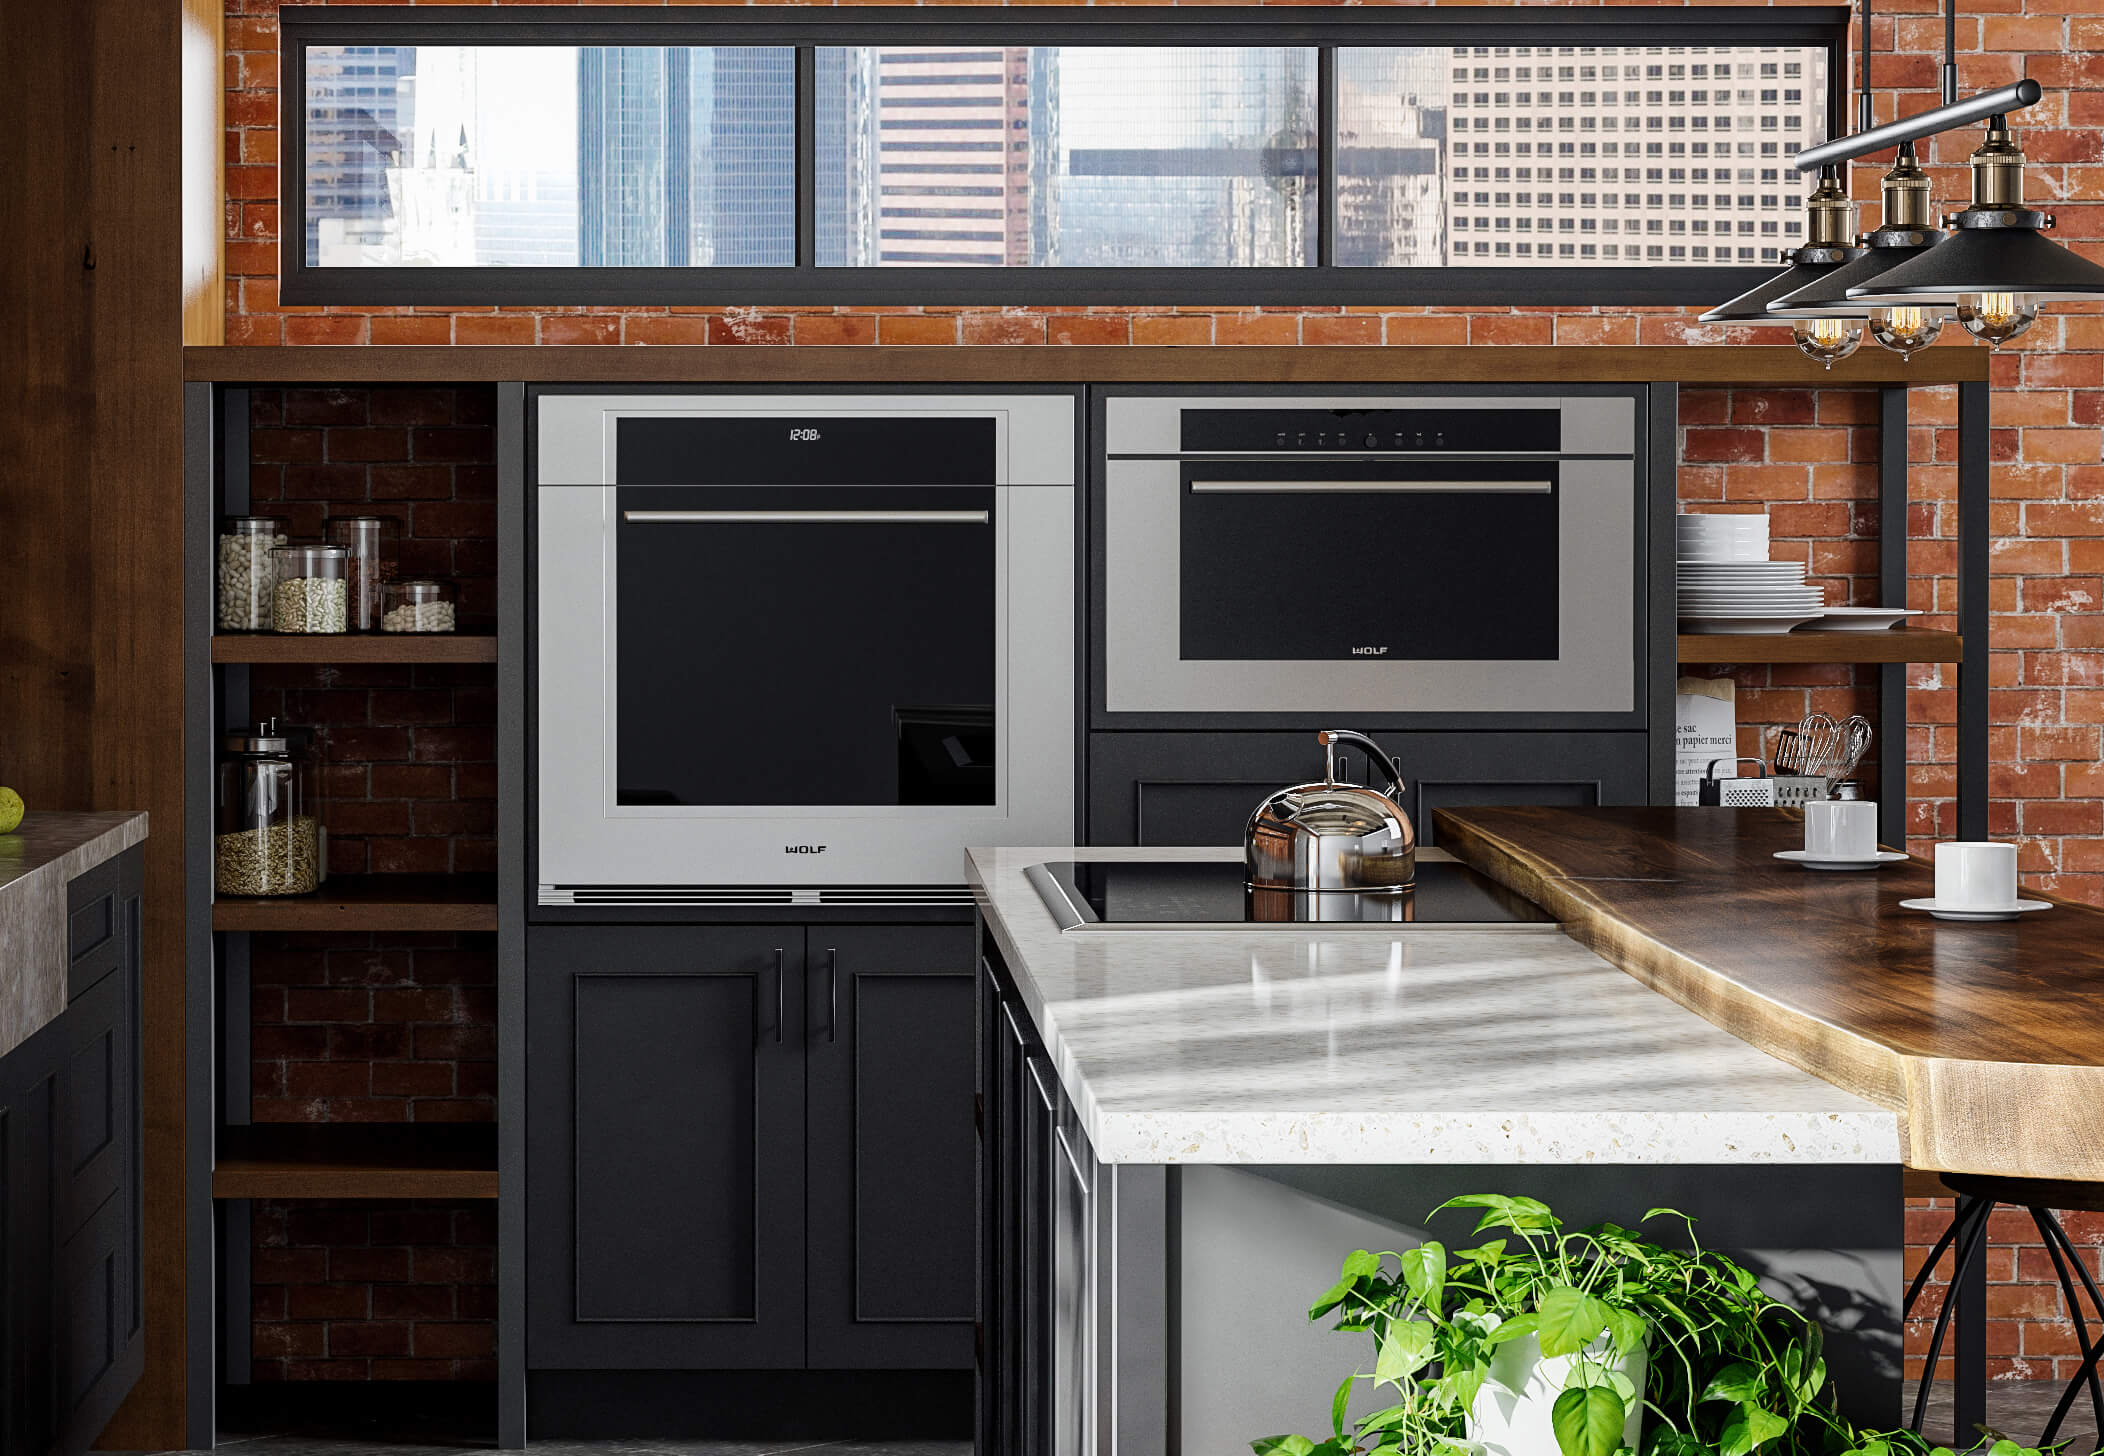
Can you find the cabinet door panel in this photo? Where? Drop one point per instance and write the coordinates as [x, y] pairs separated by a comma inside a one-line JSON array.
[[97, 1098], [665, 1157], [891, 1156]]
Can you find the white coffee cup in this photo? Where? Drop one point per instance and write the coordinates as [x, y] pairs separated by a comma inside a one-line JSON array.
[[1975, 875], [1841, 829]]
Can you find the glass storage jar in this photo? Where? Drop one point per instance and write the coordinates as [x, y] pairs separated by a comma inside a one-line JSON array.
[[311, 593], [418, 606], [267, 838], [372, 549], [247, 581]]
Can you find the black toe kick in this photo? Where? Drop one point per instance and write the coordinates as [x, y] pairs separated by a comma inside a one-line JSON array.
[[750, 1404]]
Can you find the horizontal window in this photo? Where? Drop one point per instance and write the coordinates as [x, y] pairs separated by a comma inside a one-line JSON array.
[[447, 156]]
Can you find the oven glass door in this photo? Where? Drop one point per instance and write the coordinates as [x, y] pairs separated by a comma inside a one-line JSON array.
[[1312, 560], [804, 645], [805, 611]]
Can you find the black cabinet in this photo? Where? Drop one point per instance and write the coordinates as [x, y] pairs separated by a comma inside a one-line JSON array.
[[888, 1054], [750, 1147], [70, 1185], [1040, 1289], [1199, 788]]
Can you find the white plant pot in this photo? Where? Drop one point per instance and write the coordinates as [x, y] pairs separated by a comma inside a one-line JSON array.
[[1510, 1414]]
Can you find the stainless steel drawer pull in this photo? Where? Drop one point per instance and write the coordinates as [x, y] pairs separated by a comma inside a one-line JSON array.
[[1372, 487], [810, 518]]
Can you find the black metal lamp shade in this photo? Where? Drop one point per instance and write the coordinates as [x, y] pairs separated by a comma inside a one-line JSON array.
[[1828, 297], [1977, 260], [1808, 266]]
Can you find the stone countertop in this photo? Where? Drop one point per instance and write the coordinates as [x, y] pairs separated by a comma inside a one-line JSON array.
[[36, 861], [1358, 1046]]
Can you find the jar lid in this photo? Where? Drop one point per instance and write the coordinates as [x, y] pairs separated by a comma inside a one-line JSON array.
[[268, 736], [363, 523], [254, 523], [312, 553], [418, 589]]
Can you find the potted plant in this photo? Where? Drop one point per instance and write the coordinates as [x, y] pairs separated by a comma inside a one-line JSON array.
[[1589, 1342]]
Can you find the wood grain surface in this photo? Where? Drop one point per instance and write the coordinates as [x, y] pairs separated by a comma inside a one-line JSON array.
[[356, 1160], [1895, 644], [349, 647], [1064, 364], [369, 902], [1988, 1038]]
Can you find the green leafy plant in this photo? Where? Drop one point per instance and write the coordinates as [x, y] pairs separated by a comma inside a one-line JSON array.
[[1729, 1370]]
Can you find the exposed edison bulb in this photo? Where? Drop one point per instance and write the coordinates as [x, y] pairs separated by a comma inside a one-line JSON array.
[[1996, 317], [1906, 329], [1828, 339]]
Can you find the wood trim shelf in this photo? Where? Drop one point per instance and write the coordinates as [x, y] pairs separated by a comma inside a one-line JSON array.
[[357, 1160], [342, 647], [369, 902], [1071, 364], [1898, 644]]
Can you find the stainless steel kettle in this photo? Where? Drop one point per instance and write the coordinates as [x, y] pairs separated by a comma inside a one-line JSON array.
[[1334, 837]]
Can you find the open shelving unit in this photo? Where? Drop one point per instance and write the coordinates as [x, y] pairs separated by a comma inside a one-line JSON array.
[[234, 1160], [1897, 644]]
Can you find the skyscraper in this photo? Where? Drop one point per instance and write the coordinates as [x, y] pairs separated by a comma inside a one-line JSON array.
[[353, 96], [1629, 156], [634, 163], [745, 124]]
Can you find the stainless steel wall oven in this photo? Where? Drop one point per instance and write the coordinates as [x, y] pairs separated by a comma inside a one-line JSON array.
[[799, 649], [1432, 559]]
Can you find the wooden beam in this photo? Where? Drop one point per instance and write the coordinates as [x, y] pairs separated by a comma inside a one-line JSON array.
[[1059, 364], [204, 171]]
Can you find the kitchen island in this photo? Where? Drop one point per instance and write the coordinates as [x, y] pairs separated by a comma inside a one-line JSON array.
[[69, 1126], [1186, 1129]]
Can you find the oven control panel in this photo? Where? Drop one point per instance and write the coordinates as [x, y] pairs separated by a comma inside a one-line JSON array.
[[1518, 430]]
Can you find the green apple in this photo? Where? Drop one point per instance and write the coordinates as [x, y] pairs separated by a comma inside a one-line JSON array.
[[11, 809]]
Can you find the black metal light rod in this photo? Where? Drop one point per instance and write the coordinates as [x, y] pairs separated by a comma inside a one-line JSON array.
[[2014, 97]]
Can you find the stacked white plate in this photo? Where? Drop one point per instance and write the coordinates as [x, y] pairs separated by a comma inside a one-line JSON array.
[[1727, 583]]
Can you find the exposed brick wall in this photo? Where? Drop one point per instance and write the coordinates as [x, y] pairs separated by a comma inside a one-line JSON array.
[[374, 1290], [397, 1027], [2029, 1336], [1807, 457]]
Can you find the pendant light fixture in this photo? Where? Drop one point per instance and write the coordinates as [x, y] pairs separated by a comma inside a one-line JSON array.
[[1992, 268], [1829, 218], [1905, 233], [1996, 266]]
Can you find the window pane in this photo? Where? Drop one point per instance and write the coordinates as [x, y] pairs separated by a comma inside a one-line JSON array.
[[1532, 156], [550, 156], [1066, 156]]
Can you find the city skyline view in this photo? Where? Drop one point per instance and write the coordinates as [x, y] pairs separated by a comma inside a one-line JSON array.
[[1077, 157]]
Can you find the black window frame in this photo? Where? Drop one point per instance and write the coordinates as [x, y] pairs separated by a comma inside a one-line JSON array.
[[1324, 29]]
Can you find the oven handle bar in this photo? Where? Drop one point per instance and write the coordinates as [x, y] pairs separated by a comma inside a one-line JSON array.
[[1373, 487], [810, 518]]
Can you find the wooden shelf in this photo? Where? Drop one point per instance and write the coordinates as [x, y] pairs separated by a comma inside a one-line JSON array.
[[369, 902], [342, 647], [1897, 644], [1779, 365], [357, 1160]]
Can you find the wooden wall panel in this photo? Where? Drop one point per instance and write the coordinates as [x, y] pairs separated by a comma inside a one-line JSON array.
[[91, 710]]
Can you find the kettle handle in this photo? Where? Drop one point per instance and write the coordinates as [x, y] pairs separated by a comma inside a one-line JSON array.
[[1329, 738]]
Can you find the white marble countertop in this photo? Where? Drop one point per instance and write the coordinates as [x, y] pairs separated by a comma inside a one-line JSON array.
[[36, 861], [1414, 1047]]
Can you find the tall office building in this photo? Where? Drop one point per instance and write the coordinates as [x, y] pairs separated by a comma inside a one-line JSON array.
[[744, 126], [1629, 156], [1185, 157], [353, 95], [1391, 133]]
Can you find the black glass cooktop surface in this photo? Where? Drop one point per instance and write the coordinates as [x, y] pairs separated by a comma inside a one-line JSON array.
[[1160, 894]]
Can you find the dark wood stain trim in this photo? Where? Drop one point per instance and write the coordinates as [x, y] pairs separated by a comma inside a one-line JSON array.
[[614, 364]]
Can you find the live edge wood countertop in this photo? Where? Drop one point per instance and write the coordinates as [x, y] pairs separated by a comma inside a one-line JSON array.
[[1987, 1039]]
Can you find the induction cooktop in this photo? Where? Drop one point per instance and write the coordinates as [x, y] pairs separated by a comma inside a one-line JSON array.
[[1095, 895]]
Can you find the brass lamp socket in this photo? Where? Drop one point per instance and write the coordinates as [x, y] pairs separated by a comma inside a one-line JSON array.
[[1829, 215], [1906, 189]]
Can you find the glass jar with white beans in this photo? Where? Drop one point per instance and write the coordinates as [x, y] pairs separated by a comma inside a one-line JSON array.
[[313, 591], [247, 577]]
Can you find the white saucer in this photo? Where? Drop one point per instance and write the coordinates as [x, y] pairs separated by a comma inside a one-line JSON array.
[[2000, 912], [1819, 862], [1863, 619], [1745, 626]]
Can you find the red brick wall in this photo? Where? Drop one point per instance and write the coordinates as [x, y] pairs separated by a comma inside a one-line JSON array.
[[374, 1291], [1804, 456], [2029, 1336]]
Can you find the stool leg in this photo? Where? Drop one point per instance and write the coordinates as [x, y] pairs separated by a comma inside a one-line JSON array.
[[2063, 1251], [2088, 1372], [1928, 1268], [1972, 1216]]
